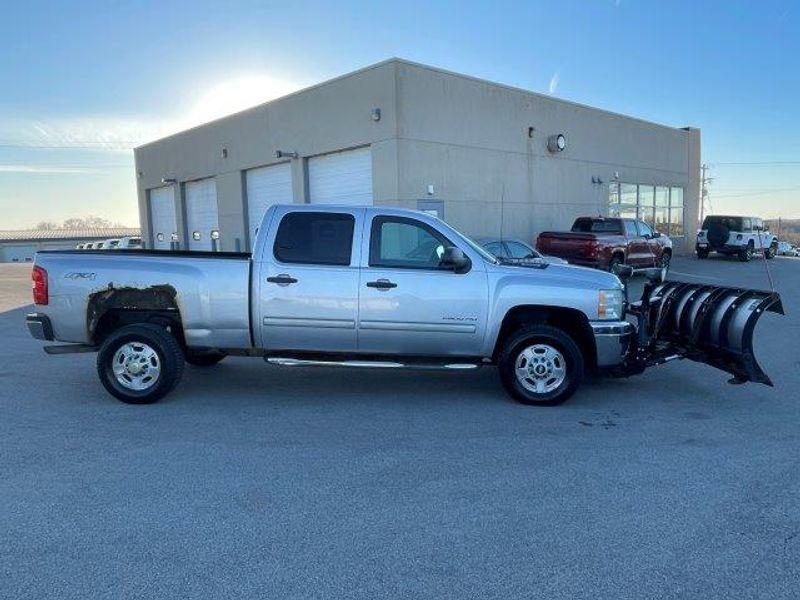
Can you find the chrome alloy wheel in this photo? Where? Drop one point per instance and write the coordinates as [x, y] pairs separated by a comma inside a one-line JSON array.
[[136, 366], [540, 368]]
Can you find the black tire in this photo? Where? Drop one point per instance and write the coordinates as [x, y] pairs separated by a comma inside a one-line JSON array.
[[616, 259], [702, 254], [543, 335], [771, 252], [746, 255], [169, 361], [209, 358], [665, 260]]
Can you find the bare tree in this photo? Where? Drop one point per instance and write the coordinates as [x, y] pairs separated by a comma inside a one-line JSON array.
[[45, 225]]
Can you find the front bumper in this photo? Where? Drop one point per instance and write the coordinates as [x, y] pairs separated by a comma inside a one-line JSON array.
[[39, 326], [612, 340]]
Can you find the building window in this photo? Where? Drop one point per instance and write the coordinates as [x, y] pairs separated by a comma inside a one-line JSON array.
[[647, 203], [661, 207], [676, 212]]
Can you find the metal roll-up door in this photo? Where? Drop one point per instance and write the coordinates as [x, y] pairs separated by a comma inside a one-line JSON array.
[[162, 215], [201, 213], [266, 186], [341, 177], [18, 253]]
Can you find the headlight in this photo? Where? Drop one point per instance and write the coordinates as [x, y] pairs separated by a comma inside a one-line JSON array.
[[610, 305]]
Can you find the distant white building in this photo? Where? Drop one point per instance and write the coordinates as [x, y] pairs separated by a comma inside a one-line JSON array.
[[20, 245]]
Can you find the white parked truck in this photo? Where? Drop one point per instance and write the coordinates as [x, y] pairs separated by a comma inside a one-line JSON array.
[[377, 287]]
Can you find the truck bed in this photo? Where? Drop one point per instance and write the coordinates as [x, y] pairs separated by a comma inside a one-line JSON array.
[[210, 290]]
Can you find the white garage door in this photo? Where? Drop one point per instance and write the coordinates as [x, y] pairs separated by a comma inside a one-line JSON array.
[[162, 213], [18, 253], [266, 186], [201, 213], [341, 177]]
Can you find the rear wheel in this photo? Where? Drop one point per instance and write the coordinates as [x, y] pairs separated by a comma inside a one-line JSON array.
[[771, 252], [665, 259], [702, 253], [204, 359], [541, 365], [746, 254], [140, 364]]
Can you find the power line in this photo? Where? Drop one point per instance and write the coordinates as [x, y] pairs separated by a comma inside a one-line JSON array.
[[767, 163]]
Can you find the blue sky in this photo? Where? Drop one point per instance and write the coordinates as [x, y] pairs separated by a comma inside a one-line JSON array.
[[110, 75]]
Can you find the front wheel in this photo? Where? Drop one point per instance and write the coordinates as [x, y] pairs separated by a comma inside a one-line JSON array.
[[140, 364], [664, 261], [541, 365], [771, 252], [746, 254]]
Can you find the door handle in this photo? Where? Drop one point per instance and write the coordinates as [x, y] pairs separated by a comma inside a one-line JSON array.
[[382, 284], [282, 279]]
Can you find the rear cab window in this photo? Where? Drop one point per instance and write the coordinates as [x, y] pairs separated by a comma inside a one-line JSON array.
[[314, 238], [588, 225]]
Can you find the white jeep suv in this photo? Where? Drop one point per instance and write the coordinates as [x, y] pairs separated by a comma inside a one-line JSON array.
[[737, 236]]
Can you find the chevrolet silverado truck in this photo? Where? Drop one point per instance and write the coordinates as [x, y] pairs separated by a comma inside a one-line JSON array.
[[605, 242], [376, 287], [743, 237]]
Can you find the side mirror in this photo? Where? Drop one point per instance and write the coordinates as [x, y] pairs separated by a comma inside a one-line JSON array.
[[455, 259]]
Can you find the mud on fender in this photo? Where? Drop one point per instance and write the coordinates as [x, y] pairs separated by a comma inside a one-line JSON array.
[[712, 324]]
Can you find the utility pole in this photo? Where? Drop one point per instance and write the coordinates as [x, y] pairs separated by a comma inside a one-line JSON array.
[[704, 181]]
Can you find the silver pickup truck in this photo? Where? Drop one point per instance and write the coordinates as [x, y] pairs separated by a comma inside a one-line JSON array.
[[376, 287]]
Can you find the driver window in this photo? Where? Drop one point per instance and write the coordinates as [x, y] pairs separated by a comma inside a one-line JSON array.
[[405, 243], [644, 229]]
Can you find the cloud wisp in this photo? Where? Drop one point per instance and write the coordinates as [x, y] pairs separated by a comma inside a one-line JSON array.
[[553, 86]]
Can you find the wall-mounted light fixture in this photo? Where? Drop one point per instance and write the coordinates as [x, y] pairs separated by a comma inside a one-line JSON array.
[[531, 131], [376, 114], [284, 154], [557, 143], [224, 153], [597, 180], [431, 189], [168, 180]]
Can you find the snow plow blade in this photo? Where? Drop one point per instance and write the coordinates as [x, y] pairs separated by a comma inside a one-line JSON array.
[[712, 325]]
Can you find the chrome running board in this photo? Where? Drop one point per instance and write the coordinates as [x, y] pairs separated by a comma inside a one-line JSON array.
[[368, 364]]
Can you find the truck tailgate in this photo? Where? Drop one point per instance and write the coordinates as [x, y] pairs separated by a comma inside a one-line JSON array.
[[565, 244]]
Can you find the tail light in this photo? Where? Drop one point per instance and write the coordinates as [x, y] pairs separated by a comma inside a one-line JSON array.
[[39, 278]]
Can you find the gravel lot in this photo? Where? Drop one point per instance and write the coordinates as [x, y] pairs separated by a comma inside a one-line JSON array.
[[253, 481]]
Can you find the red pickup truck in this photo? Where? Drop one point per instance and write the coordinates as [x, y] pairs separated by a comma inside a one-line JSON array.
[[603, 242]]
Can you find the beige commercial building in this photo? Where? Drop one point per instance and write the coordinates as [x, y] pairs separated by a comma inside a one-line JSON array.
[[490, 159]]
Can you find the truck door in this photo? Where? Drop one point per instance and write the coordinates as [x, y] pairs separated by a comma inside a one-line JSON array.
[[637, 245], [408, 303], [308, 280]]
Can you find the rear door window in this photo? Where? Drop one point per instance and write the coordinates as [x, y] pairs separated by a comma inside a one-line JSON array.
[[317, 238]]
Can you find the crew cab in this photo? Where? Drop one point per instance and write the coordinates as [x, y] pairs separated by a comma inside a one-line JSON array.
[[604, 242], [357, 287], [742, 237]]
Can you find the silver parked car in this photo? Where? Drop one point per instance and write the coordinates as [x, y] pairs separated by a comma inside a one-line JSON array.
[[376, 287], [513, 250]]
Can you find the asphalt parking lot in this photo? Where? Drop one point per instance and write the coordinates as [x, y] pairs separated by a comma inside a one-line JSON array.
[[255, 481]]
